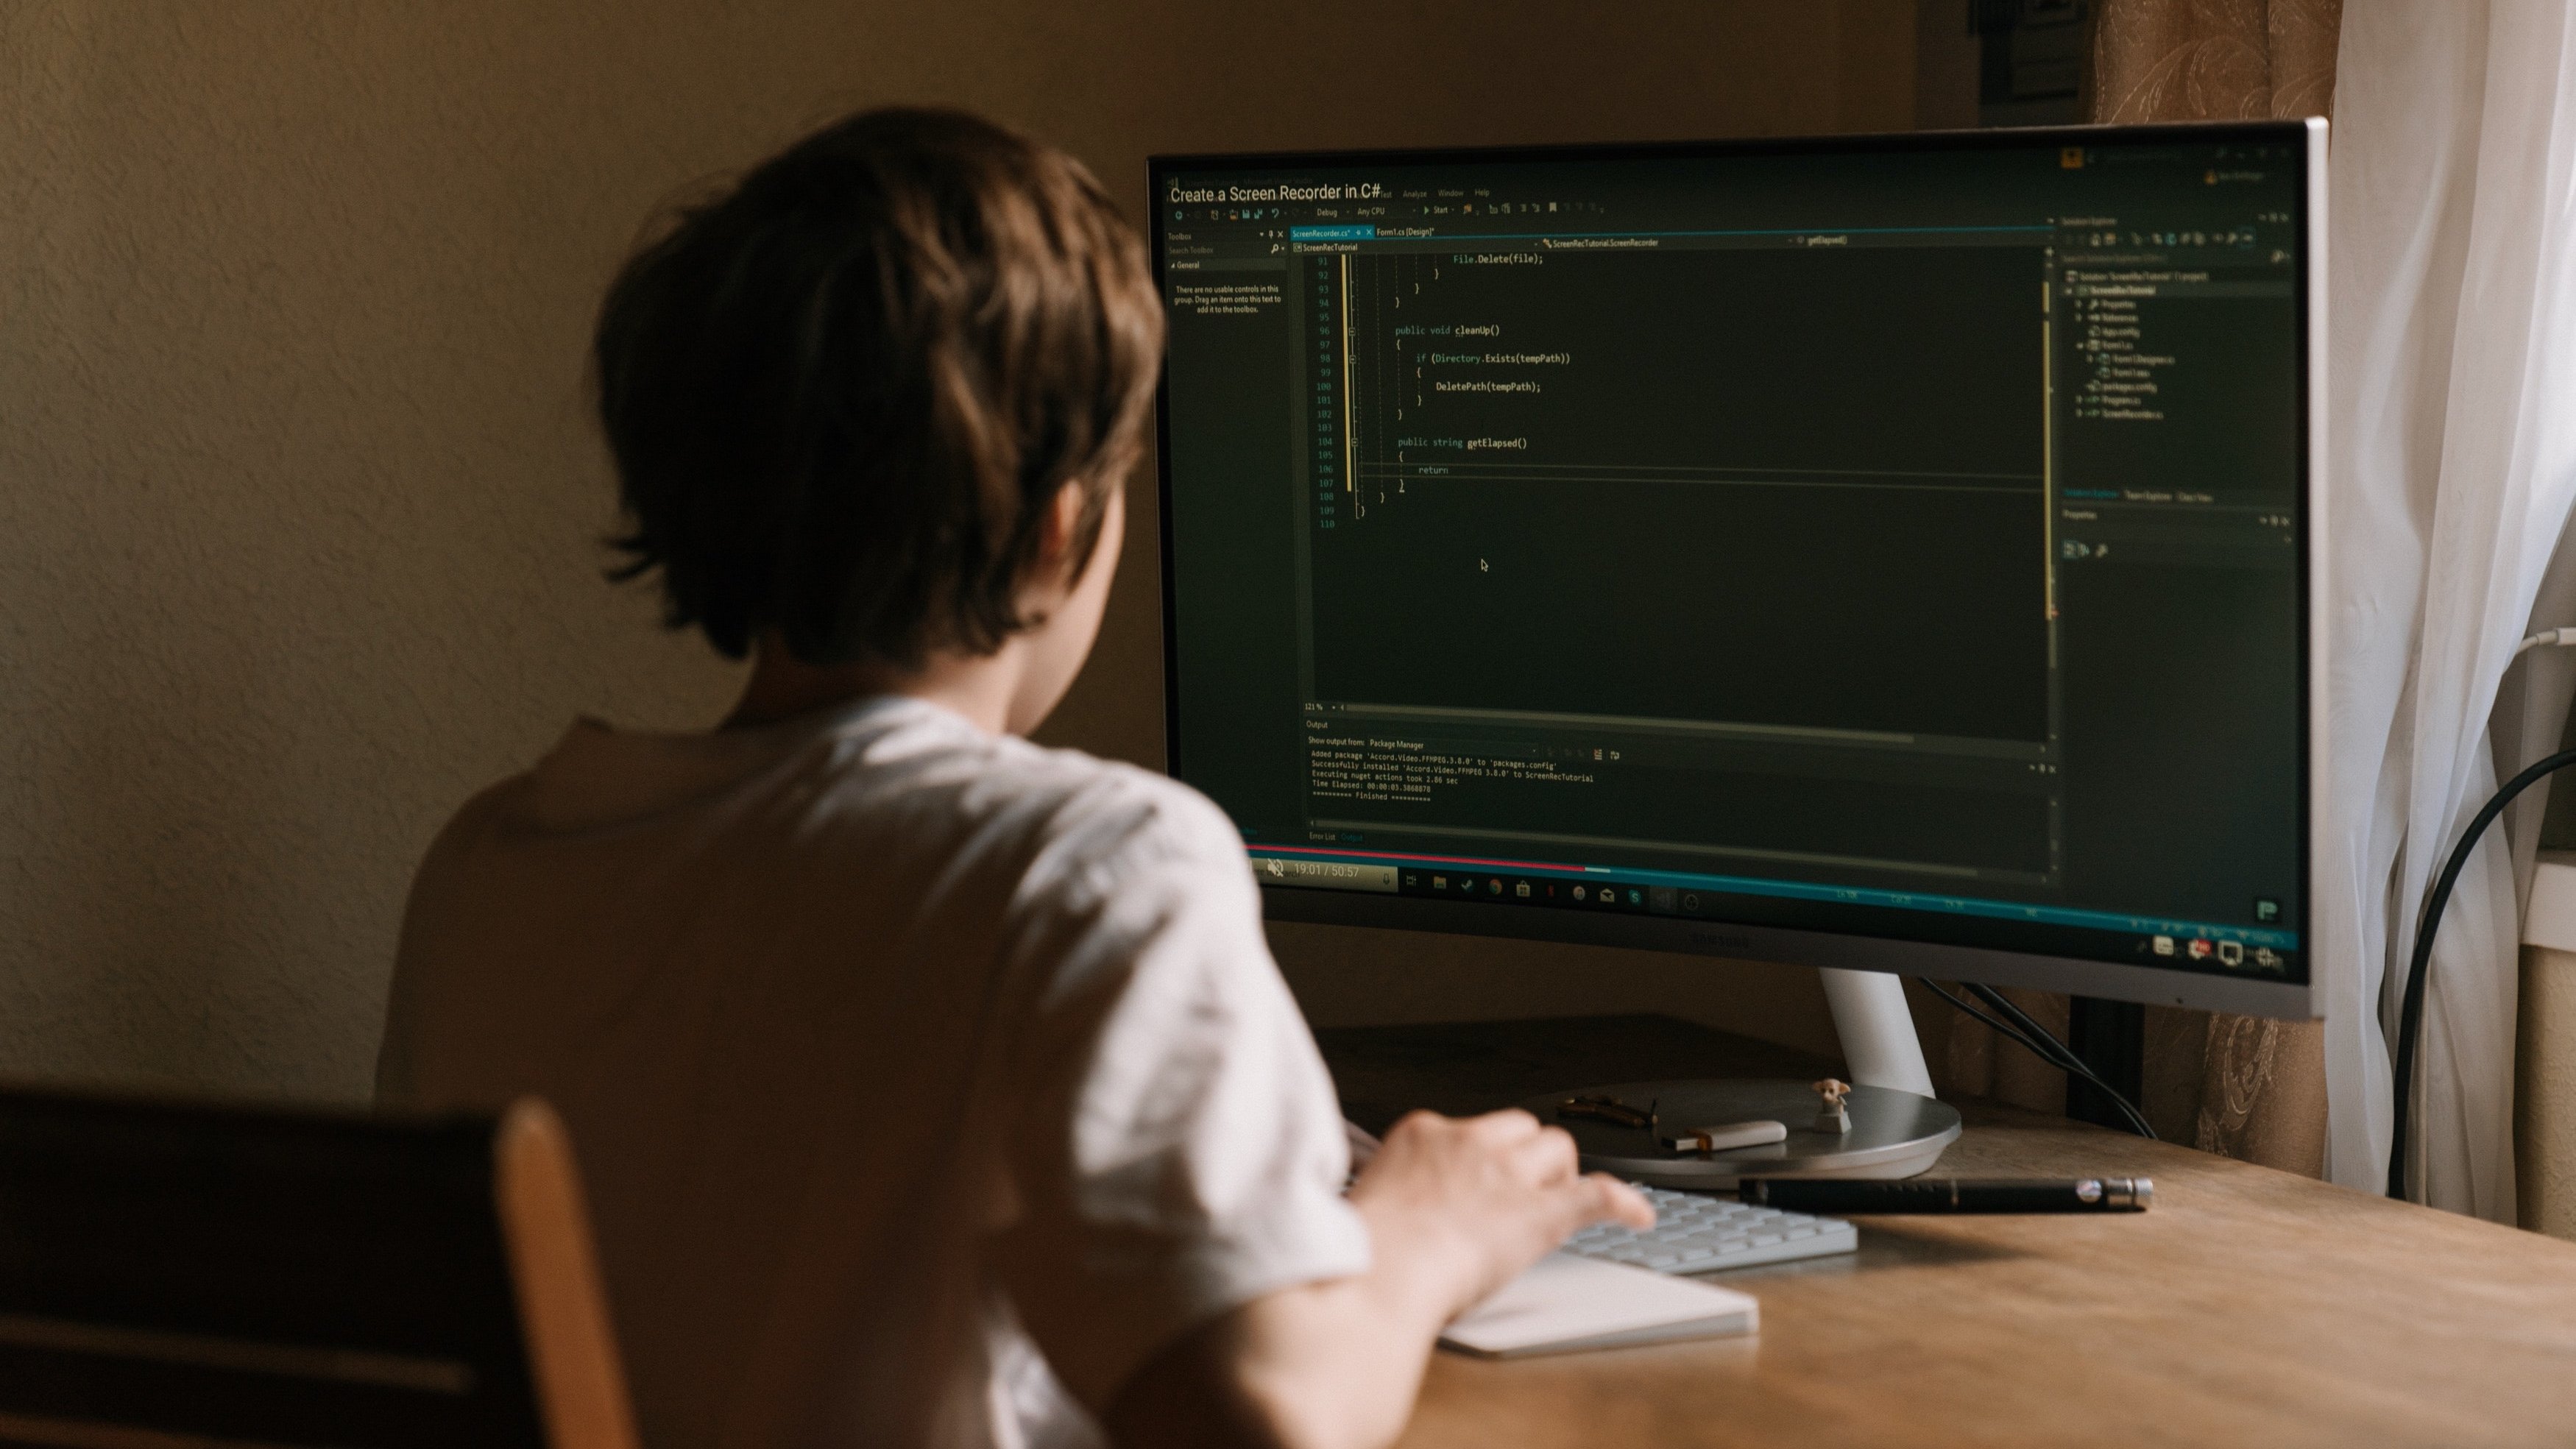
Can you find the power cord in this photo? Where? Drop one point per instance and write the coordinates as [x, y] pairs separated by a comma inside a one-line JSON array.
[[2410, 1017], [2017, 1026], [2545, 636], [2410, 1014]]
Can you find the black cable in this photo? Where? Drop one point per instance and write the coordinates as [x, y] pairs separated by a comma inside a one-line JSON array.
[[2410, 1016], [2010, 1010], [2034, 1030], [2067, 1060], [2031, 1037], [1998, 1026]]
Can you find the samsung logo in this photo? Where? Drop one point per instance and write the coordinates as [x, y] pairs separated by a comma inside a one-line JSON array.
[[1720, 939]]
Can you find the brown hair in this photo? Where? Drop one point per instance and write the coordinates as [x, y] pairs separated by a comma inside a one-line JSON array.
[[843, 395]]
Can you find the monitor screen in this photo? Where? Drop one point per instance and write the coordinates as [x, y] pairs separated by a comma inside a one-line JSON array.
[[1885, 552]]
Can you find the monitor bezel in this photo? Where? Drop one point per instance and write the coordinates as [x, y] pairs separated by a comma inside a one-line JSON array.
[[1713, 937]]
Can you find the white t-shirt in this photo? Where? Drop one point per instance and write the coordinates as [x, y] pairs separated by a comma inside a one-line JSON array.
[[916, 1075]]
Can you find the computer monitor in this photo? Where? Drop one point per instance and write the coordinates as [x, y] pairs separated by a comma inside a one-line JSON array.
[[1890, 552]]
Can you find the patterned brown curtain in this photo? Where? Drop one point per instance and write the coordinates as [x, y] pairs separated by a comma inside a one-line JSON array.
[[2213, 60], [2234, 1085]]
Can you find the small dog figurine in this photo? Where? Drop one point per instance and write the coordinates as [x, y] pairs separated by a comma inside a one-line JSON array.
[[1832, 1116]]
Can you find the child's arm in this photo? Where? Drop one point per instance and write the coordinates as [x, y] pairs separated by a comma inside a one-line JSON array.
[[1454, 1210]]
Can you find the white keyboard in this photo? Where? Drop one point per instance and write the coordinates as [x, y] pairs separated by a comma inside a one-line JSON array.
[[1695, 1233]]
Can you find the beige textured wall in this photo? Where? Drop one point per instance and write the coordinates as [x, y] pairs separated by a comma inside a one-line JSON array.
[[299, 504], [2544, 1092]]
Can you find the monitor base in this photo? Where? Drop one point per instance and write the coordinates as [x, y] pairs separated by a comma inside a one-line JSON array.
[[1893, 1133]]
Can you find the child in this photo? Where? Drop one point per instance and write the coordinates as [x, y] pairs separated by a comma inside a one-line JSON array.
[[932, 1088]]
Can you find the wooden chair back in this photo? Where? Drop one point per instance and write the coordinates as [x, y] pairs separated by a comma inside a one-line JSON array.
[[208, 1277]]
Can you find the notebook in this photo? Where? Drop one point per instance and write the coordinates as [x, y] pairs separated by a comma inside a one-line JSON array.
[[1564, 1303]]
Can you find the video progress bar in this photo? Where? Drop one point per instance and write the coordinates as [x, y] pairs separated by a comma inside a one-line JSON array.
[[1731, 469], [1445, 473], [1734, 852]]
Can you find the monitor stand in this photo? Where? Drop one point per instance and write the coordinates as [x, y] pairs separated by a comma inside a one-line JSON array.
[[1897, 1129]]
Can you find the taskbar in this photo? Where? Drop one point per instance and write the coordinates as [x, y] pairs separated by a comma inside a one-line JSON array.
[[1909, 915]]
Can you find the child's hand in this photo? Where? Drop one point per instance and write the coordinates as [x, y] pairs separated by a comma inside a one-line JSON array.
[[1469, 1202], [1456, 1208]]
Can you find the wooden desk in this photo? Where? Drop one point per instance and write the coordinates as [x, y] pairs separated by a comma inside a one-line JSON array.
[[2249, 1307]]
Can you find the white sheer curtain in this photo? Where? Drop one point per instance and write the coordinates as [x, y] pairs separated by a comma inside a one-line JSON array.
[[2452, 436]]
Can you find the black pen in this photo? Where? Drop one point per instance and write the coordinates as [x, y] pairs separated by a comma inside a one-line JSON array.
[[1951, 1194]]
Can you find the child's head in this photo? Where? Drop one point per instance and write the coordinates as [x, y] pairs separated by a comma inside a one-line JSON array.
[[846, 397]]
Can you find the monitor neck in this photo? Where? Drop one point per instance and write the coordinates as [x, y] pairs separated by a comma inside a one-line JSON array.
[[1880, 1048]]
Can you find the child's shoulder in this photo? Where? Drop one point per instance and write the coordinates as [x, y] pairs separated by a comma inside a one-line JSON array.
[[1051, 799]]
